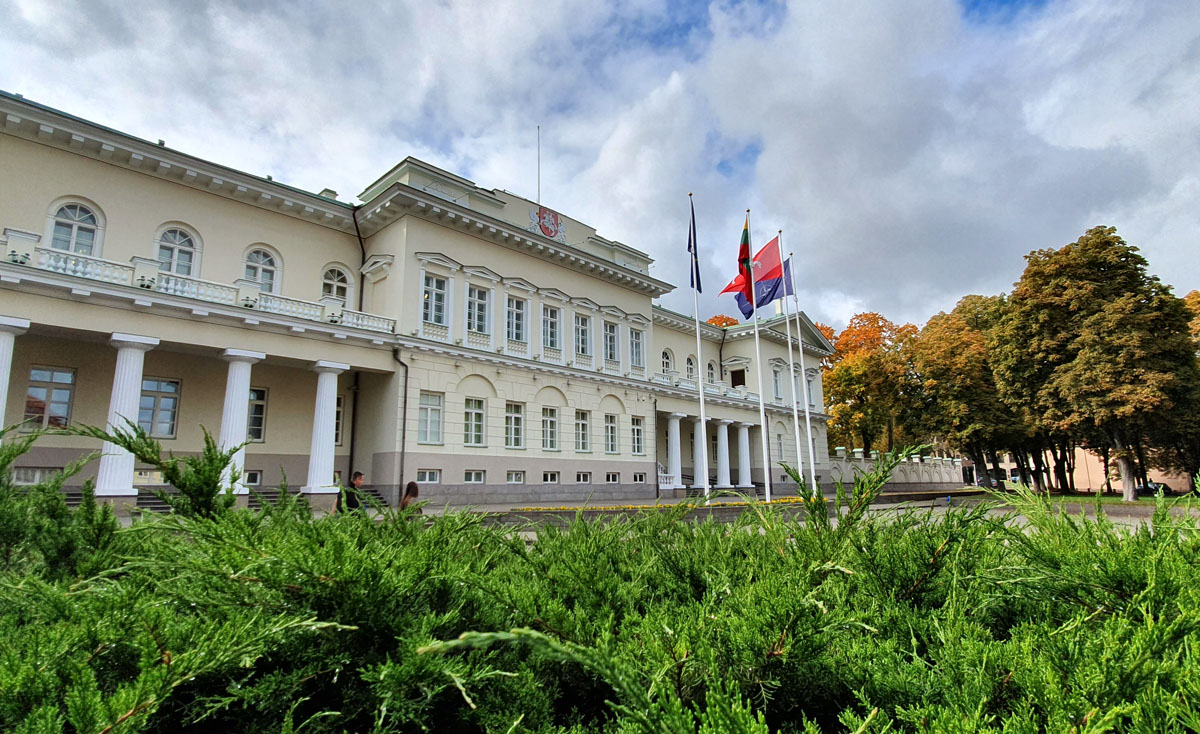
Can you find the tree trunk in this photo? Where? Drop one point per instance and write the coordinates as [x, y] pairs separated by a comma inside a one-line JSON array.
[[1022, 460], [999, 475], [1125, 464], [1069, 460], [1107, 465], [1143, 467], [1039, 469]]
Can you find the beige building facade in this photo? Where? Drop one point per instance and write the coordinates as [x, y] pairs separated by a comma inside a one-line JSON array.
[[489, 348]]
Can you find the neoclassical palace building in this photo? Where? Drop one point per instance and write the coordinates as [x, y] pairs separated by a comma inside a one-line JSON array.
[[489, 348]]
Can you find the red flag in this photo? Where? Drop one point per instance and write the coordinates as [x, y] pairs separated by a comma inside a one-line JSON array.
[[766, 266]]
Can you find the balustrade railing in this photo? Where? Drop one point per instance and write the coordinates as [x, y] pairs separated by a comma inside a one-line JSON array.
[[271, 303], [204, 290], [84, 266], [370, 322]]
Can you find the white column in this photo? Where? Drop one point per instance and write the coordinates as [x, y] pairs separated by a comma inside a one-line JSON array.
[[699, 456], [234, 414], [114, 478], [744, 479], [10, 328], [320, 457], [723, 454], [674, 455]]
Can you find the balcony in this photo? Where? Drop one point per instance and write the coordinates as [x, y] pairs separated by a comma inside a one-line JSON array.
[[143, 273]]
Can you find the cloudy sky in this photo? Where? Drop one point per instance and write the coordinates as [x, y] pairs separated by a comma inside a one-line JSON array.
[[911, 152]]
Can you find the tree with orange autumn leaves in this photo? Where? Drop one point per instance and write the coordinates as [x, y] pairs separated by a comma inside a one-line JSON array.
[[866, 381], [722, 320]]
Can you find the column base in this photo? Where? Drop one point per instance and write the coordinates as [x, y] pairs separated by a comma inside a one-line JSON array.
[[241, 501], [723, 486], [745, 486], [123, 505], [320, 499]]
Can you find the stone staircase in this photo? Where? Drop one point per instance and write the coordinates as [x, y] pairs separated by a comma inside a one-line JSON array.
[[149, 501]]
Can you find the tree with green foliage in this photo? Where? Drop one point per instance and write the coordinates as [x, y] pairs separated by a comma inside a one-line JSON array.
[[1091, 342], [865, 386]]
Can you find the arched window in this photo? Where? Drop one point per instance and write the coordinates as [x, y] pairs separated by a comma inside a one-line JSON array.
[[263, 267], [668, 362], [75, 228], [176, 252], [712, 372], [691, 368], [335, 283]]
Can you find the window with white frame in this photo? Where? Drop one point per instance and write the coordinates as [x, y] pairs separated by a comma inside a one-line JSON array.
[[610, 433], [582, 430], [550, 429], [256, 415], [777, 383], [812, 393], [477, 302], [252, 478], [75, 228], [583, 477], [639, 477], [337, 421], [514, 425], [429, 417], [49, 396], [637, 348], [779, 446], [549, 477], [433, 305], [612, 477], [637, 432], [176, 252], [473, 476], [550, 327], [429, 476], [583, 335], [712, 372], [474, 421], [516, 319], [611, 333], [668, 361], [158, 407], [691, 368], [24, 476], [263, 267], [335, 282], [515, 477]]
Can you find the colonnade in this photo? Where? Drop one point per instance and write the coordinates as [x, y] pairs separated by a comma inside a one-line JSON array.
[[700, 455]]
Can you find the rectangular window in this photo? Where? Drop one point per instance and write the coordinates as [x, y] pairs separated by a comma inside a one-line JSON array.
[[429, 476], [737, 378], [550, 316], [23, 476], [779, 446], [429, 418], [583, 477], [812, 395], [778, 384], [516, 477], [550, 429], [477, 309], [637, 435], [611, 332], [582, 442], [252, 478], [337, 421], [637, 355], [610, 433], [49, 396], [639, 477], [433, 307], [516, 319], [549, 477], [158, 407], [256, 416], [612, 477], [514, 425], [583, 335], [474, 413], [473, 476]]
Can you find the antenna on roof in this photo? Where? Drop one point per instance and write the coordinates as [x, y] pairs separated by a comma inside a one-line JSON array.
[[539, 167]]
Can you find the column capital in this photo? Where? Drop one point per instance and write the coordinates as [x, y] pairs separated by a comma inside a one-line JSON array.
[[13, 325], [677, 416], [744, 424], [242, 355], [324, 365], [133, 341], [723, 421]]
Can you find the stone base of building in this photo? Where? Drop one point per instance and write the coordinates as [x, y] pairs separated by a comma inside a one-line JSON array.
[[123, 505], [515, 495]]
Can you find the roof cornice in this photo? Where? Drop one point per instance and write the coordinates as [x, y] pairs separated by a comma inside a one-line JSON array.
[[679, 322], [400, 200], [47, 126]]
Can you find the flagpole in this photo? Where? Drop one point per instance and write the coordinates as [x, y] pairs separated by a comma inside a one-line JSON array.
[[762, 409], [812, 449], [701, 470], [787, 320]]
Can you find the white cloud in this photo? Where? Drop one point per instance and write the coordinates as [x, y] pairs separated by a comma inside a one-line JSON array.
[[910, 156]]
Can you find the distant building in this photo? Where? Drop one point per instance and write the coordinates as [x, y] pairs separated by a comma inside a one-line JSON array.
[[489, 348]]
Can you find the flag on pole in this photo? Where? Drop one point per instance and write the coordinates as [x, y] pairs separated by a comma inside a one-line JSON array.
[[772, 280], [692, 251], [744, 264]]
